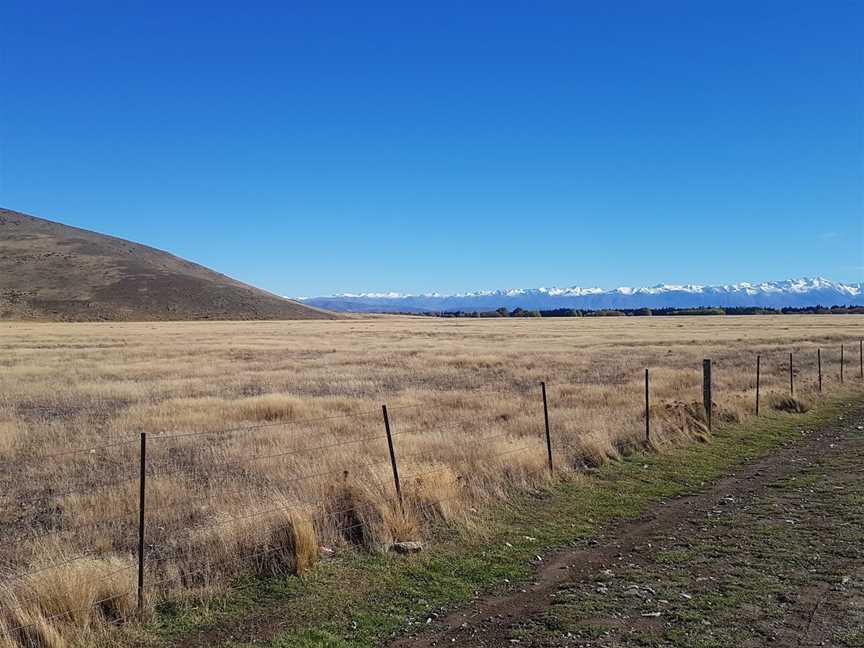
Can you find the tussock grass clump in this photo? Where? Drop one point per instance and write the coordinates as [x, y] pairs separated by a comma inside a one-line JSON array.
[[271, 407], [357, 515], [67, 598], [791, 404], [595, 449], [269, 542], [25, 628], [289, 545], [401, 525], [80, 592], [682, 421], [438, 495]]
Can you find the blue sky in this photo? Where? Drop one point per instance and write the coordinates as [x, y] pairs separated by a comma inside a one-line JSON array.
[[312, 148]]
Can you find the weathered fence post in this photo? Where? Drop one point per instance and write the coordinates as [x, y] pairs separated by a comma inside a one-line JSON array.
[[819, 367], [393, 458], [706, 391], [758, 376], [546, 420], [142, 490], [791, 378], [842, 362], [647, 410]]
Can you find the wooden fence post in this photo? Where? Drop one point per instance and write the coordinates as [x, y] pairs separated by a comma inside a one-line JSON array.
[[393, 458], [706, 391], [142, 491], [791, 378], [758, 376], [842, 362], [546, 420], [647, 410], [819, 367]]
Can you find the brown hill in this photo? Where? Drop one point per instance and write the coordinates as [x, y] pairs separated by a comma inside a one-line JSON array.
[[50, 271]]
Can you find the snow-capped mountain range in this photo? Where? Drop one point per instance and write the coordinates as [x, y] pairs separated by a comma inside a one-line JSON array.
[[768, 294]]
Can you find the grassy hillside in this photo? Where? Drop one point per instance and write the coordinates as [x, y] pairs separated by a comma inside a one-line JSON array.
[[49, 271]]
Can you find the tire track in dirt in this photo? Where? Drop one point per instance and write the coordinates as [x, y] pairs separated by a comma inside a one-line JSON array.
[[808, 619]]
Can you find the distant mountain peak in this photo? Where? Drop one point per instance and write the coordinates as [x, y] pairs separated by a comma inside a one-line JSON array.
[[801, 292]]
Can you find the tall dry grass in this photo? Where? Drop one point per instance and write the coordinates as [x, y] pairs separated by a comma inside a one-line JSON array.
[[266, 439]]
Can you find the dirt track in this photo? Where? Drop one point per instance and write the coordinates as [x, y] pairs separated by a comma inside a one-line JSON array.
[[769, 556]]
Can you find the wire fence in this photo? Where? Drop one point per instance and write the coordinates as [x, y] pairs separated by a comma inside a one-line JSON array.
[[162, 556]]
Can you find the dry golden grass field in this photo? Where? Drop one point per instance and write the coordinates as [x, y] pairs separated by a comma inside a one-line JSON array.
[[266, 439]]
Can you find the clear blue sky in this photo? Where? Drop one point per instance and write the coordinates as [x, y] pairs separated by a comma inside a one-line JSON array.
[[316, 147]]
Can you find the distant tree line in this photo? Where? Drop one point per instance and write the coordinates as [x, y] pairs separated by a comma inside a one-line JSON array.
[[646, 312]]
